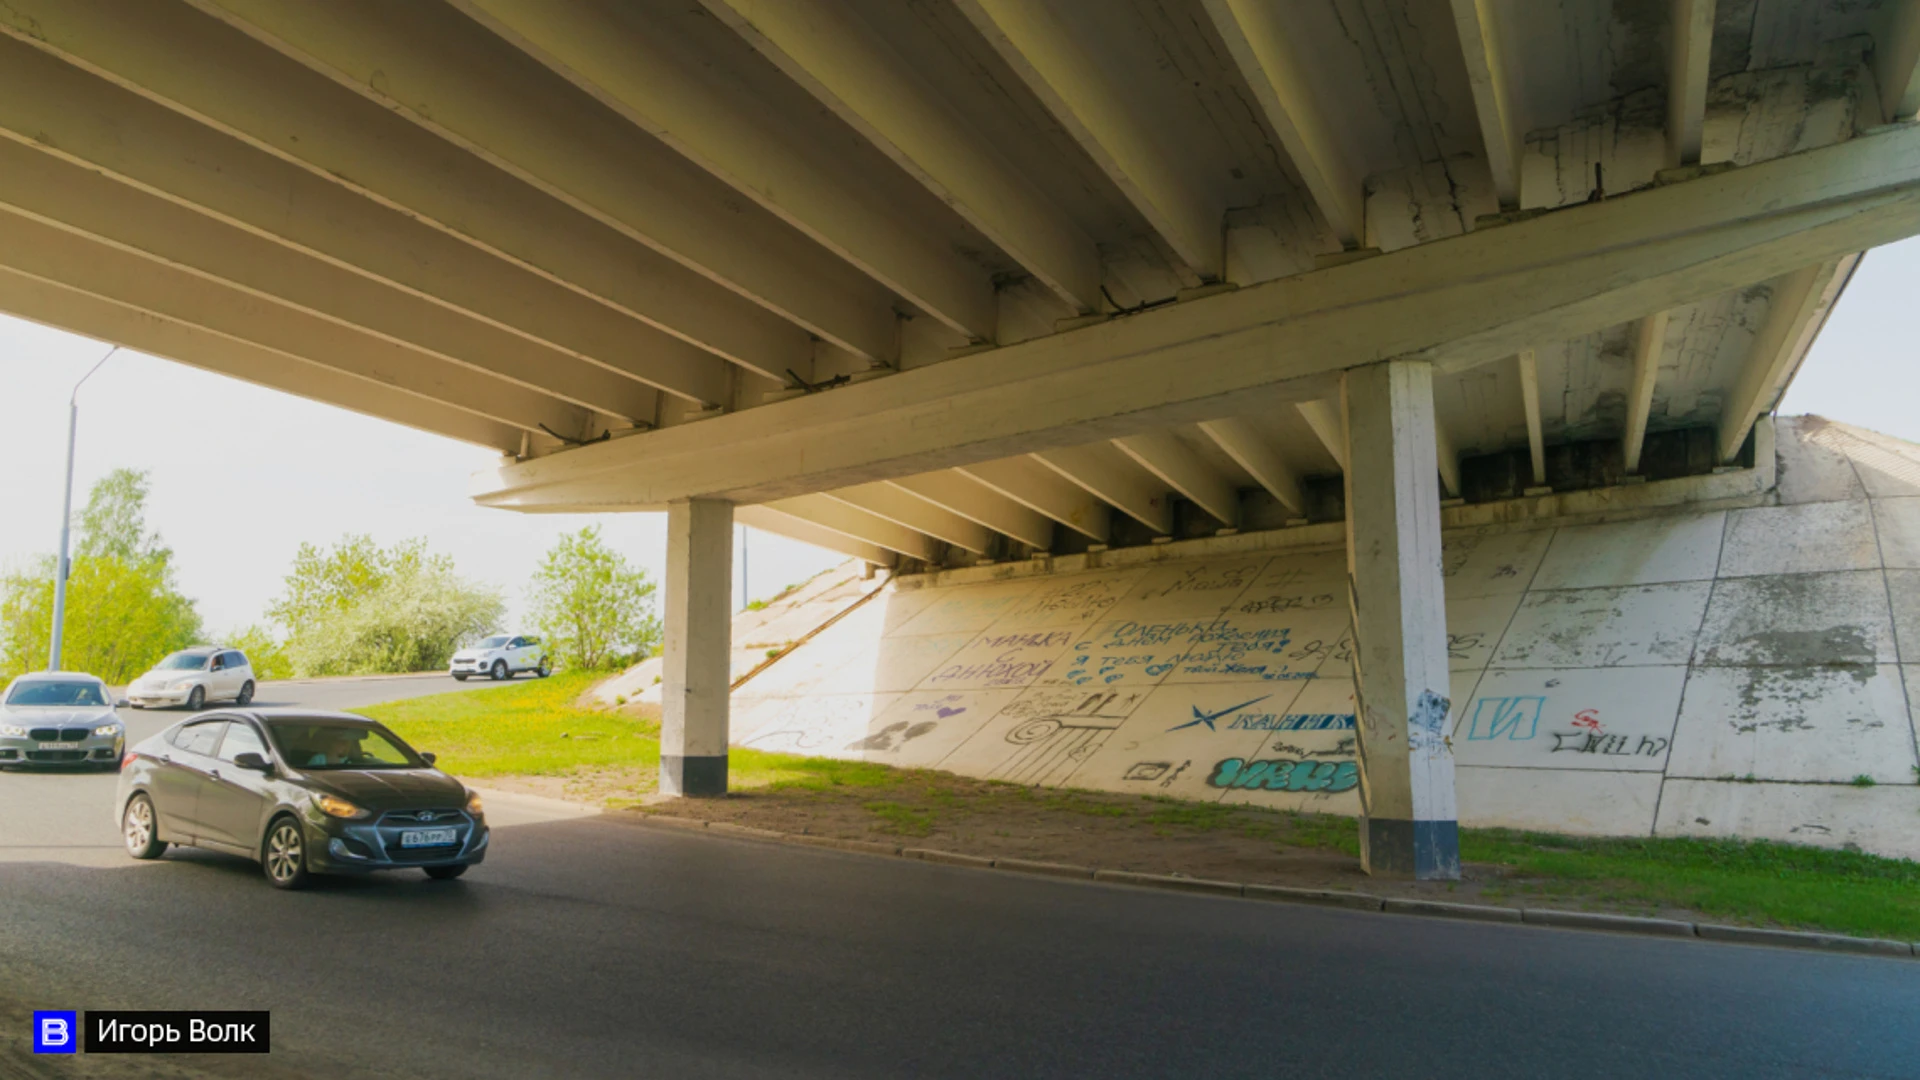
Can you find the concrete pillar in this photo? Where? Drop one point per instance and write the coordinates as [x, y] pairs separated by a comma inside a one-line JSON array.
[[699, 630], [1408, 822]]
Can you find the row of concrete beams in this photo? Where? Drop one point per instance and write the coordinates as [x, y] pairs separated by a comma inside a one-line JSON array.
[[1473, 299]]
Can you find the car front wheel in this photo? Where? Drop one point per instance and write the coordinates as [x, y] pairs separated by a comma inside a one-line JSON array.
[[139, 829], [284, 854], [444, 873], [196, 699], [499, 670], [459, 678]]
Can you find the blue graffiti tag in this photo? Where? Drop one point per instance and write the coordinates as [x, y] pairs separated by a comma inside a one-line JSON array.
[[1208, 718], [1515, 718], [1285, 774]]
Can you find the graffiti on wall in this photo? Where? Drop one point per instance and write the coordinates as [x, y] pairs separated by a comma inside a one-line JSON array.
[[1005, 659], [1129, 649], [1285, 774], [1512, 718]]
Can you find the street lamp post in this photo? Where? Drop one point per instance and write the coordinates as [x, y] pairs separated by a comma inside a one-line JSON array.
[[61, 568]]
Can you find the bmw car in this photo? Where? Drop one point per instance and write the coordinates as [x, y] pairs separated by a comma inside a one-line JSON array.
[[301, 793], [60, 718]]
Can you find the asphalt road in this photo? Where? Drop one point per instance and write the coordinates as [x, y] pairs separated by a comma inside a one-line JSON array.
[[591, 947]]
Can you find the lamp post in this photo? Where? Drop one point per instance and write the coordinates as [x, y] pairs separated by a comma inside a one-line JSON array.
[[66, 518]]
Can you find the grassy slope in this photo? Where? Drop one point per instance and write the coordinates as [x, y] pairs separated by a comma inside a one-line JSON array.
[[541, 728]]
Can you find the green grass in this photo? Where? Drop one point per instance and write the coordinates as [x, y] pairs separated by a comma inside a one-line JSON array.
[[531, 728]]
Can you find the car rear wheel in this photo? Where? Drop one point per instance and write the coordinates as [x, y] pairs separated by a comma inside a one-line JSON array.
[[246, 693], [499, 670], [138, 828], [196, 699], [459, 678], [444, 873], [543, 670], [283, 856]]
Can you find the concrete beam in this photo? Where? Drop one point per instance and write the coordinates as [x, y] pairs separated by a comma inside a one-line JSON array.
[[89, 204], [1446, 462], [1501, 129], [91, 316], [1896, 59], [40, 251], [207, 70], [961, 494], [1045, 492], [1650, 345], [1409, 822], [850, 69], [64, 111], [1255, 34], [636, 68], [1092, 100], [1114, 478], [1529, 365], [1242, 442], [910, 511], [857, 524], [449, 76], [1469, 300], [767, 519], [1328, 425], [697, 648], [1689, 48], [1798, 308], [1178, 467]]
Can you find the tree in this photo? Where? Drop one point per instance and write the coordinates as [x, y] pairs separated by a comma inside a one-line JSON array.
[[264, 651], [593, 609], [359, 609], [124, 611]]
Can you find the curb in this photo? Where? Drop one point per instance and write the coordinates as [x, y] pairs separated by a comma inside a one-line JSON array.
[[1438, 909]]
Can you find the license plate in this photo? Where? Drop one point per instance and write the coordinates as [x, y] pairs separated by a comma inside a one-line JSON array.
[[58, 746], [426, 837]]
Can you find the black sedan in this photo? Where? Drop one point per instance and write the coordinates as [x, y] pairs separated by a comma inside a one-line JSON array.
[[300, 792]]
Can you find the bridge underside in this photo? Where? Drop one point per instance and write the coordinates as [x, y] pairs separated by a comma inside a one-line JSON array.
[[969, 281]]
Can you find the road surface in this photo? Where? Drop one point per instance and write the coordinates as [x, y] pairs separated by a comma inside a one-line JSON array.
[[596, 947]]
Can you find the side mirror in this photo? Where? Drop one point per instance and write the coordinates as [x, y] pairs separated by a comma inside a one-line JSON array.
[[428, 758], [253, 761], [121, 703]]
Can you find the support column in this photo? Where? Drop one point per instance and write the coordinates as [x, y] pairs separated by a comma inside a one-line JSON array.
[[699, 629], [1408, 823]]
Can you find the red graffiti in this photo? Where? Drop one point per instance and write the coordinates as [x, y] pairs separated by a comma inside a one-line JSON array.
[[1588, 719]]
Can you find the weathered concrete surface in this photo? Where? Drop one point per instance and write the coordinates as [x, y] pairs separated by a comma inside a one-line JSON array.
[[1686, 671]]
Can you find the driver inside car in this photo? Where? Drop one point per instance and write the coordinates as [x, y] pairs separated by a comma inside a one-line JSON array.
[[338, 748]]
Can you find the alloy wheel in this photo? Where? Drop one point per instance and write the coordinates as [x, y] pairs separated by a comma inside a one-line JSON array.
[[284, 855], [139, 825]]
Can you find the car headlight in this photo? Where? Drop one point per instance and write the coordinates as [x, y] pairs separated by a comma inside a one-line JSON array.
[[335, 806], [14, 731], [178, 683], [107, 729], [474, 805]]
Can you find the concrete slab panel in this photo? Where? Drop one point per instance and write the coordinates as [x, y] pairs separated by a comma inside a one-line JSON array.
[[1809, 472], [1173, 742], [1076, 600], [966, 607], [891, 664], [1269, 647], [1317, 727], [1491, 563], [1584, 802], [1125, 652], [821, 725], [1577, 719], [1876, 819], [1804, 539], [900, 606], [1903, 593], [1647, 552], [1629, 627], [1825, 724], [1297, 581], [1799, 619], [1474, 628], [920, 728], [1190, 590], [1898, 523], [1001, 658], [1043, 735]]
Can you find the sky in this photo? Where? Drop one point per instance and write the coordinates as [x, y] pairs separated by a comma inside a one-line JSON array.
[[242, 475]]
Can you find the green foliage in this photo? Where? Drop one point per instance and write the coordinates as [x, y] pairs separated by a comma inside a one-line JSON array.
[[535, 728], [756, 605], [357, 609], [124, 611], [266, 652], [594, 609], [1863, 780]]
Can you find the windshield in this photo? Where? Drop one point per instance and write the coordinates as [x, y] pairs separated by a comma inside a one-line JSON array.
[[321, 744], [183, 661], [56, 693], [494, 642]]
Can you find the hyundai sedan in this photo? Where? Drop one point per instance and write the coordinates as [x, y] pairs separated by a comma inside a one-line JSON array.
[[59, 718], [301, 793]]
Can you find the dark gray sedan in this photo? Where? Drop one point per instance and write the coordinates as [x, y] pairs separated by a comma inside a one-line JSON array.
[[300, 792]]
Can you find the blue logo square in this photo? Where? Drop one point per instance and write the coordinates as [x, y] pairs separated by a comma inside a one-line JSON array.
[[55, 1032]]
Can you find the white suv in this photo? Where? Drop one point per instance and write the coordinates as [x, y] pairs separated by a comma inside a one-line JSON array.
[[193, 677], [501, 657]]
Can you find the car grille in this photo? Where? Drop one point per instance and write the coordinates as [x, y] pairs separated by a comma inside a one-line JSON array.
[[47, 734], [51, 756], [395, 822]]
